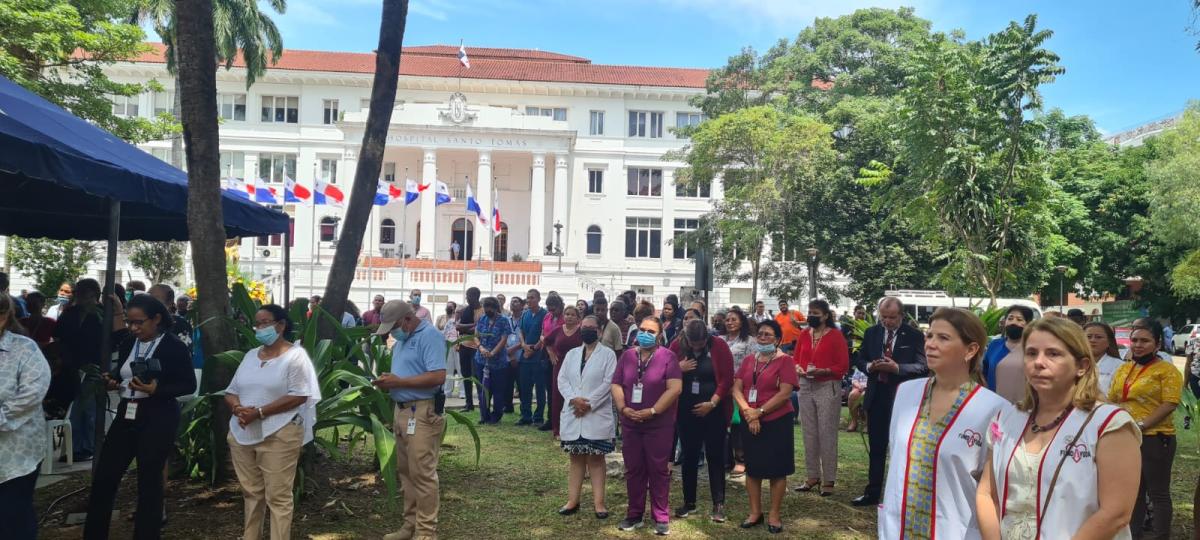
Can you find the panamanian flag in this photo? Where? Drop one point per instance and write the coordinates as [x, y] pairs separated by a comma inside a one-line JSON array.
[[382, 194], [495, 213], [327, 194], [412, 191], [295, 193], [462, 55], [443, 194], [264, 193], [237, 188], [473, 205]]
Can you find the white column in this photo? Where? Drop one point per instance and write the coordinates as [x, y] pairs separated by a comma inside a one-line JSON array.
[[537, 209], [483, 233], [561, 183], [428, 214]]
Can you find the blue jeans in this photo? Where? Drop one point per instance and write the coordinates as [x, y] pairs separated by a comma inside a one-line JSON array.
[[83, 425], [531, 381], [495, 381]]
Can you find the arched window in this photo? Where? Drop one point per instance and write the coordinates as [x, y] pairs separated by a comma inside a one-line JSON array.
[[462, 232], [500, 244], [593, 239], [387, 232], [328, 229]]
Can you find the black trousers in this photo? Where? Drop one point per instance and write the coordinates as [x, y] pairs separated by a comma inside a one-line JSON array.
[[879, 422], [17, 518], [708, 432], [149, 439], [466, 366], [1158, 454]]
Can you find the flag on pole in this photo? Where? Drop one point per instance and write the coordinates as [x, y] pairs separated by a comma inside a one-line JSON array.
[[495, 213], [443, 194], [263, 193], [412, 191], [237, 188], [394, 192], [462, 55], [382, 195], [295, 193], [473, 206], [327, 194]]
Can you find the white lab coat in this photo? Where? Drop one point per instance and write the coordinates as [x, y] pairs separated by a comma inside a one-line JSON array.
[[593, 383]]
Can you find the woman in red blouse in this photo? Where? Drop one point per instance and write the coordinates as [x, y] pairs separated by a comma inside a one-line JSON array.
[[558, 343], [822, 360]]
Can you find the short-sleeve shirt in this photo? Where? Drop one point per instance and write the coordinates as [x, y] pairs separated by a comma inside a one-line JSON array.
[[661, 368], [531, 329], [780, 370], [1149, 386], [552, 323], [259, 382], [491, 331], [422, 352], [559, 342], [610, 336]]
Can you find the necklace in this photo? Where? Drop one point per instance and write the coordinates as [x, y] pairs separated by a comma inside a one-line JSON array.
[[1038, 429]]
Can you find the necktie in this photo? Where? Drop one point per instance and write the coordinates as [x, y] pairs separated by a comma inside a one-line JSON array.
[[887, 352]]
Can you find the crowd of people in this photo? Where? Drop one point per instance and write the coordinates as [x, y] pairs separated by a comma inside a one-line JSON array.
[[1038, 432]]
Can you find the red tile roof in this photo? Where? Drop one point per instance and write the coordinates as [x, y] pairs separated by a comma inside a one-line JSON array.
[[486, 63]]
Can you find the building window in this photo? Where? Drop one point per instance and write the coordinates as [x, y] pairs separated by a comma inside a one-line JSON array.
[[277, 239], [500, 244], [387, 232], [688, 119], [364, 104], [126, 106], [700, 190], [164, 102], [389, 173], [646, 124], [596, 125], [274, 167], [557, 113], [281, 109], [682, 250], [329, 170], [233, 164], [233, 106], [595, 181], [644, 182], [593, 239], [329, 229], [643, 237], [331, 111]]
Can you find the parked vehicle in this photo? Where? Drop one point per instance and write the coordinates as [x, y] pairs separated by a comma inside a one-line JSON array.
[[1183, 336], [920, 305]]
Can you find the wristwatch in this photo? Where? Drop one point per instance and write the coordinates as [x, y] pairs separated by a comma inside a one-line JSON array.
[[653, 412], [761, 412]]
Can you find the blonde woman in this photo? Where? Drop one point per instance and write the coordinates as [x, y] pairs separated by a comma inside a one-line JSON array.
[[1062, 461]]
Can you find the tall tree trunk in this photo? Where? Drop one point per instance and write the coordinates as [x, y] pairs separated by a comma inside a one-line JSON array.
[[370, 159], [198, 86]]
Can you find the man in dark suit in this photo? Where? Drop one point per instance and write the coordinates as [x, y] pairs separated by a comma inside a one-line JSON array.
[[892, 352]]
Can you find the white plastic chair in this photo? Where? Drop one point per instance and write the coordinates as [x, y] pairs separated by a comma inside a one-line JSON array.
[[51, 431]]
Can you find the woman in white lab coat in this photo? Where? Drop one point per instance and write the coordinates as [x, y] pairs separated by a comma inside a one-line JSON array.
[[587, 428]]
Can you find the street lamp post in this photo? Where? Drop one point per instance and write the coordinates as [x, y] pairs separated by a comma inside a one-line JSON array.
[[558, 226], [1062, 272], [812, 273]]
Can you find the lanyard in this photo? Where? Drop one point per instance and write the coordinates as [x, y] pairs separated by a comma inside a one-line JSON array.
[[149, 350], [1129, 384], [642, 367], [757, 371]]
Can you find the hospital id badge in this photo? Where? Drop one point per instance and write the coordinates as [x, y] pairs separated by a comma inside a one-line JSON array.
[[753, 397], [131, 411], [637, 393], [412, 427], [696, 387]]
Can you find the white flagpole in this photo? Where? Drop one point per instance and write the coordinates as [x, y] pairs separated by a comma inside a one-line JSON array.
[[312, 236], [466, 221], [370, 249], [404, 234], [492, 237]]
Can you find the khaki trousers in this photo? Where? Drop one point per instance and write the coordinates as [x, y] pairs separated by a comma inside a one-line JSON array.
[[820, 412], [417, 464], [267, 472]]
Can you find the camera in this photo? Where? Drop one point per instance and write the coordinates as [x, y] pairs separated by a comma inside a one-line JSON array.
[[146, 369]]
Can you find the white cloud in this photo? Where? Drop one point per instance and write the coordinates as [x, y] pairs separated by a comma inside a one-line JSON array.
[[307, 12], [793, 14], [430, 9]]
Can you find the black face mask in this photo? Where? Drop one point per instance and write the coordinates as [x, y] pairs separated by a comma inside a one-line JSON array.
[[589, 335], [815, 323], [1013, 331]]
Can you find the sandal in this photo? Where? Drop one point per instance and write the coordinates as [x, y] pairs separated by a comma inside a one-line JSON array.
[[827, 489], [808, 485]]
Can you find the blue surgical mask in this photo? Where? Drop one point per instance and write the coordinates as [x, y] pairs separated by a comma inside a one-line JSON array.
[[267, 336], [646, 340], [765, 348], [416, 300], [399, 335], [62, 300]]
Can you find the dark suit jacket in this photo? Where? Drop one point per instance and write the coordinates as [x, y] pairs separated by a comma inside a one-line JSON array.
[[908, 352], [177, 377]]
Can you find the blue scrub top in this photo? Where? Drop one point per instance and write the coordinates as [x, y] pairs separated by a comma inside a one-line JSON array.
[[996, 351]]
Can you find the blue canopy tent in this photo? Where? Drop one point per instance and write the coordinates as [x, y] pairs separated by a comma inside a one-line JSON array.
[[64, 178]]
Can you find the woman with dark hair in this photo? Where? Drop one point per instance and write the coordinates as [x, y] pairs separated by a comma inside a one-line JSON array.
[[705, 409], [671, 318], [1003, 362], [822, 360], [1103, 344], [1149, 388], [24, 379], [558, 343], [491, 361], [273, 396], [466, 350], [554, 320], [939, 424], [155, 368], [762, 389], [587, 424], [78, 333], [735, 331]]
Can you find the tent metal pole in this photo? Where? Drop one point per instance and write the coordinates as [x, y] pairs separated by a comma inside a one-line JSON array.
[[106, 345], [287, 266]]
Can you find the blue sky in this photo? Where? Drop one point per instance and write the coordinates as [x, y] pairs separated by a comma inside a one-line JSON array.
[[1127, 62]]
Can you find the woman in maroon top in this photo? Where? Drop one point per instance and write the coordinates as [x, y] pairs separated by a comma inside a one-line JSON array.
[[762, 388], [822, 360], [645, 387], [562, 339]]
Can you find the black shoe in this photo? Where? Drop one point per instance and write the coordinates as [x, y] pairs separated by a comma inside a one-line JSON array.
[[718, 514], [469, 408], [78, 457], [629, 524], [546, 427], [865, 500], [524, 422], [601, 515], [685, 510], [564, 511], [774, 529], [752, 524]]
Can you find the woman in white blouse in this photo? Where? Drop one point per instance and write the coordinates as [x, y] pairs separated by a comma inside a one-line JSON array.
[[24, 379], [587, 428], [1103, 343], [274, 396]]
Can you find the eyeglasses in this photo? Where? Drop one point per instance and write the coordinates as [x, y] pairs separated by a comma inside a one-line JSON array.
[[263, 324], [135, 322], [767, 335]]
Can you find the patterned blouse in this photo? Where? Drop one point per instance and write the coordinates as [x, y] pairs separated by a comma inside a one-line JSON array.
[[922, 456], [24, 380]]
